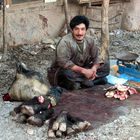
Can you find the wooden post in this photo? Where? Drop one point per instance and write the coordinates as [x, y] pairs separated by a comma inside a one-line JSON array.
[[66, 14], [4, 45], [5, 2], [104, 31]]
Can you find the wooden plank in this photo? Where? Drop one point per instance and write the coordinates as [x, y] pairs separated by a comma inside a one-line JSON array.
[[100, 1]]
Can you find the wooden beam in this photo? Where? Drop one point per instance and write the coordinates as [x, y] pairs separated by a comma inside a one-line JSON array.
[[66, 14], [104, 31], [96, 2], [4, 32]]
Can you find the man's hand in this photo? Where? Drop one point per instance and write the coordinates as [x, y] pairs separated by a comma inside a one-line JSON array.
[[88, 73], [91, 73], [94, 71]]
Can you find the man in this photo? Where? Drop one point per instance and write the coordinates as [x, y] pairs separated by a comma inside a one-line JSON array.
[[77, 58]]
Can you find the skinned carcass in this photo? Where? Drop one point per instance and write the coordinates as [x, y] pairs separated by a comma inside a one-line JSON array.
[[27, 84]]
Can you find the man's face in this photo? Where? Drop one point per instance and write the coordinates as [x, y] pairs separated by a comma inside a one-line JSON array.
[[79, 32]]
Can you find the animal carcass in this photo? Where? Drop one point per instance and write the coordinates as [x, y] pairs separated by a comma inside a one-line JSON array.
[[65, 124], [27, 84], [38, 109]]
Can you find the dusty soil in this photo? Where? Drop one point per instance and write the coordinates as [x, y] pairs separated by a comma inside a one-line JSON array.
[[40, 57]]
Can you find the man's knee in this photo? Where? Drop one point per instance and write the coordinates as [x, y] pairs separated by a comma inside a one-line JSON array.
[[68, 79], [71, 75], [104, 70]]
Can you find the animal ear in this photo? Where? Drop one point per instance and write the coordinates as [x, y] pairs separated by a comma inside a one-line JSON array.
[[21, 67]]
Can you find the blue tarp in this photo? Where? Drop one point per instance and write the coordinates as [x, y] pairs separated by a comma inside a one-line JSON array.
[[129, 71], [128, 77], [115, 80]]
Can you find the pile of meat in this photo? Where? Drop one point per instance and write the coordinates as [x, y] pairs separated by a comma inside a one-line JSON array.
[[120, 92]]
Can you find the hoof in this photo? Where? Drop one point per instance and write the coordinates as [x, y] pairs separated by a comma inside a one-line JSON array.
[[35, 121], [13, 113], [21, 118], [28, 110]]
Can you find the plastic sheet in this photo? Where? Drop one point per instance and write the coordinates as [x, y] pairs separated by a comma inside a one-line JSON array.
[[116, 80]]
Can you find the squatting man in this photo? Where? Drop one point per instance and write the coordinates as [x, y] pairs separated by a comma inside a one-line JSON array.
[[77, 58]]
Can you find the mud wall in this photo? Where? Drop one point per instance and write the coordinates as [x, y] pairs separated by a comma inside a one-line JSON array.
[[131, 16], [28, 23], [94, 15]]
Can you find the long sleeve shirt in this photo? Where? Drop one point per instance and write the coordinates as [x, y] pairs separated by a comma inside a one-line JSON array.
[[70, 53]]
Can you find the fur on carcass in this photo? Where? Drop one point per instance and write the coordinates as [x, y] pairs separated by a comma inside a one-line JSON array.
[[27, 84], [65, 125]]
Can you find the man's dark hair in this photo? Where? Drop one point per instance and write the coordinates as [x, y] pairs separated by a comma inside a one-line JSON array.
[[78, 20]]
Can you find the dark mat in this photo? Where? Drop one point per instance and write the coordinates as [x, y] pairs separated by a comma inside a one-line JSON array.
[[92, 105]]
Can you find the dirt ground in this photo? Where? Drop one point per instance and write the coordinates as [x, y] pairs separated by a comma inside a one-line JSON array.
[[39, 57]]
